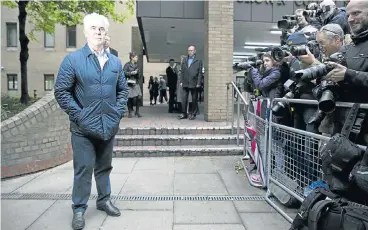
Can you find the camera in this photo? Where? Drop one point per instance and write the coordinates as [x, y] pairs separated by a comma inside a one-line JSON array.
[[279, 53], [245, 65], [293, 90], [287, 22], [312, 13], [326, 93]]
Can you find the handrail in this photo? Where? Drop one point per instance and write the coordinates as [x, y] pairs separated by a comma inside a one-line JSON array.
[[239, 94]]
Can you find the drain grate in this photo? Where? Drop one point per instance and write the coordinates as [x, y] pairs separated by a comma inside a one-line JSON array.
[[50, 196]]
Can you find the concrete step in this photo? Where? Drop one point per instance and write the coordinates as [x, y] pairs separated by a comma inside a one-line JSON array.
[[165, 151], [175, 130], [177, 140]]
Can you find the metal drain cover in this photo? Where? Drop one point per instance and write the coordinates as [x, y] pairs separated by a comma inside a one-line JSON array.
[[50, 196]]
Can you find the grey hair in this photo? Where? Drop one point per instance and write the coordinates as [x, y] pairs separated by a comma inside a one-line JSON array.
[[331, 30], [90, 18]]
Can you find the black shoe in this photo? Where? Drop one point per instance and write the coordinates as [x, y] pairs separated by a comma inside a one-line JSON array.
[[78, 221], [138, 114], [109, 208], [183, 116], [130, 115], [192, 116]]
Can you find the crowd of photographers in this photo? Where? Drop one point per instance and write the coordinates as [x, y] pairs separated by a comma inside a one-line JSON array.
[[323, 56]]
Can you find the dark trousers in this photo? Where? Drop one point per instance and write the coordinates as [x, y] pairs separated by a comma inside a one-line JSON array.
[[91, 156], [172, 91], [163, 95], [135, 101], [194, 94]]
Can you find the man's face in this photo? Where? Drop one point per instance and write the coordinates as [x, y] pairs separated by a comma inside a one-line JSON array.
[[191, 51], [357, 12], [300, 19], [95, 33], [171, 63], [328, 46], [107, 42]]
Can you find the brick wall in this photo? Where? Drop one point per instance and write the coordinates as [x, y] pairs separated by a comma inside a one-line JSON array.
[[218, 53], [35, 139]]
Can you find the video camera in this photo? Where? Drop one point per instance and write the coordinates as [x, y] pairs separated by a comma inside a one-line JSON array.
[[246, 65], [288, 22]]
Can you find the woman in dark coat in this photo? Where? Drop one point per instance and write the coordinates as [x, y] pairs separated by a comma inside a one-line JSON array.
[[150, 88], [133, 79]]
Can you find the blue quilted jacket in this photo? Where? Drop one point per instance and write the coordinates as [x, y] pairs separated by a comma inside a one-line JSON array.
[[94, 99]]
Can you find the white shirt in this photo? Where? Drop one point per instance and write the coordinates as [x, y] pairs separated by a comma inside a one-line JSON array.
[[101, 56]]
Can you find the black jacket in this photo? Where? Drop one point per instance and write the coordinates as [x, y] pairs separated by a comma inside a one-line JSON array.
[[191, 76], [172, 77], [355, 85], [114, 52], [129, 67]]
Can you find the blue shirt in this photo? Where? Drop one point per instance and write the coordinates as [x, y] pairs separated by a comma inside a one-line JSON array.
[[190, 60]]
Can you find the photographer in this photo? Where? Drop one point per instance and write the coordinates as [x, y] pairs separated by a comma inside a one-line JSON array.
[[268, 79], [353, 79], [332, 14], [300, 19]]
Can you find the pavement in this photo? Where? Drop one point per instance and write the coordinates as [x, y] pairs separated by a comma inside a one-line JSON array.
[[171, 176]]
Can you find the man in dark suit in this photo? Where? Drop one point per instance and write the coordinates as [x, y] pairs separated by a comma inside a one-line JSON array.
[[108, 48], [190, 80], [172, 80]]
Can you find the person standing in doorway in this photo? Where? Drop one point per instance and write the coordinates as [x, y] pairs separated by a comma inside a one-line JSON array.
[[190, 80], [162, 89], [91, 88], [172, 79], [133, 79]]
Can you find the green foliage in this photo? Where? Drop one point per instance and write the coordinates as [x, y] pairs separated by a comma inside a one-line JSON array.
[[44, 15], [10, 106]]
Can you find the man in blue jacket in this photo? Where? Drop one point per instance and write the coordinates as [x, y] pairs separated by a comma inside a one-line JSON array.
[[91, 88]]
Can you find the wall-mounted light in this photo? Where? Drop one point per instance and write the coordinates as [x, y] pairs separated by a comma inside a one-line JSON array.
[[261, 44], [253, 47], [276, 32]]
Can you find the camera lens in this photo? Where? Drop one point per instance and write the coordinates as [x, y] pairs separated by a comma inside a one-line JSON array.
[[298, 50], [278, 54], [327, 102]]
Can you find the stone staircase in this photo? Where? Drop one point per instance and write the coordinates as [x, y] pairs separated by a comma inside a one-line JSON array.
[[189, 141]]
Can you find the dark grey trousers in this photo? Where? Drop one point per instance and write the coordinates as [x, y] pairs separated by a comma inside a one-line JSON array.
[[91, 155]]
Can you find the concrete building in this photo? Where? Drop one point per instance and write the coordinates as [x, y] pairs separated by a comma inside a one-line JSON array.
[[46, 54]]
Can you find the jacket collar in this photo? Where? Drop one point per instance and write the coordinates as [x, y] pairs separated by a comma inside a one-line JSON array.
[[359, 38], [87, 51]]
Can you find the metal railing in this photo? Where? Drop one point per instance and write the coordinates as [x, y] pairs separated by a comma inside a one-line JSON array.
[[294, 156], [238, 103]]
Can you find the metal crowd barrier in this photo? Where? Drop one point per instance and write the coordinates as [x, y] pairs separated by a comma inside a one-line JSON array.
[[259, 124], [294, 156]]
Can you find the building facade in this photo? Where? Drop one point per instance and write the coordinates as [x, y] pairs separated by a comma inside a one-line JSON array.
[[48, 51]]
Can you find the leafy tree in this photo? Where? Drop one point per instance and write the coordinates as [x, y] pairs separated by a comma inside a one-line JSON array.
[[44, 15]]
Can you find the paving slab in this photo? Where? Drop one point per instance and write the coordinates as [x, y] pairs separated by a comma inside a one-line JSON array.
[[199, 184], [154, 163], [149, 182], [19, 214], [205, 212], [145, 205], [125, 165], [264, 221], [209, 227], [13, 184], [140, 220], [194, 165]]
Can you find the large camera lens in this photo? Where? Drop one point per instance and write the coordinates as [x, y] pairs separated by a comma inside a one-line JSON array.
[[298, 50], [327, 102], [278, 54], [313, 72], [286, 24], [280, 108]]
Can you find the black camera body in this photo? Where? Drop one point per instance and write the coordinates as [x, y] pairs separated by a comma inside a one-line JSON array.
[[287, 22]]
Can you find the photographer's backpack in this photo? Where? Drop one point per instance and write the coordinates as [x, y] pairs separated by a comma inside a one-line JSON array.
[[324, 210]]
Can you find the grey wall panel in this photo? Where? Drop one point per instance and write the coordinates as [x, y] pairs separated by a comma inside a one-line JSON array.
[[194, 9], [242, 11], [281, 10], [262, 12], [172, 9], [148, 8]]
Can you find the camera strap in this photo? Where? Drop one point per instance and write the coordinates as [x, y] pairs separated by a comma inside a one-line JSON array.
[[350, 120]]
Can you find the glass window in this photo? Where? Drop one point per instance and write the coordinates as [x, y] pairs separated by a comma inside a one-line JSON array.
[[49, 82], [71, 37], [11, 33], [49, 40], [12, 82]]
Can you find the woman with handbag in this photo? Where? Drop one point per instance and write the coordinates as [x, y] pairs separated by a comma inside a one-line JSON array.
[[132, 74]]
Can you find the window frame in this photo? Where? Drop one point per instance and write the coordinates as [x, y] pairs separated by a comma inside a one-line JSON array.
[[45, 44], [45, 76], [8, 78], [67, 37], [7, 34]]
